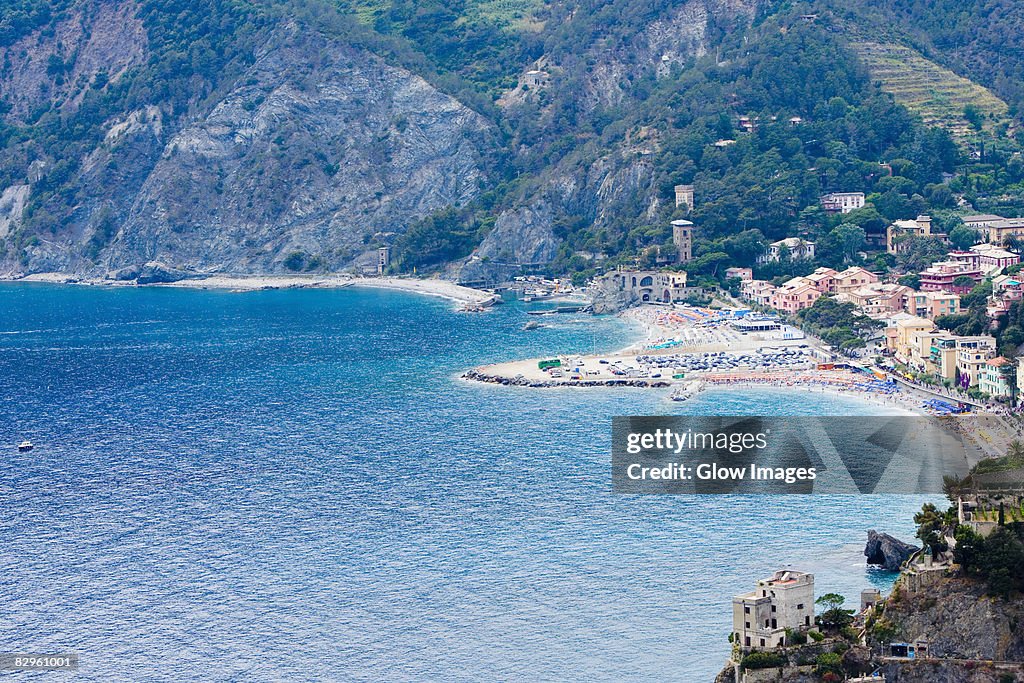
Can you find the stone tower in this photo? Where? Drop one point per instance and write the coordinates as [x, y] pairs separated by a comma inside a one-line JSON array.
[[684, 195], [682, 237]]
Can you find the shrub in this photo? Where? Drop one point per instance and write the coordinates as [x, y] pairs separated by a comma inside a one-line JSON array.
[[816, 636], [795, 637], [763, 660], [829, 662]]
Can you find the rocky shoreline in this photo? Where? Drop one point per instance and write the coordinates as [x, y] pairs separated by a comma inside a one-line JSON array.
[[477, 376], [158, 275]]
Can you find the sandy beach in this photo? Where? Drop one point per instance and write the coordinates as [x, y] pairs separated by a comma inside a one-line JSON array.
[[244, 283], [686, 351]]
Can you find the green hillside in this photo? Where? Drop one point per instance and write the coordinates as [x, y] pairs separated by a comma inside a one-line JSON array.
[[505, 13], [937, 94]]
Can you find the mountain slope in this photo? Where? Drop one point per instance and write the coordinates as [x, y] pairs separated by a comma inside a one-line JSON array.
[[483, 139], [310, 153], [318, 151]]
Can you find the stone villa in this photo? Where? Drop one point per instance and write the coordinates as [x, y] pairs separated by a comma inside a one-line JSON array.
[[783, 601]]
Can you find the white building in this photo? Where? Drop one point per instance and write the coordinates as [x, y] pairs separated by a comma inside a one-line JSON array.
[[799, 249], [784, 601], [684, 196], [842, 202]]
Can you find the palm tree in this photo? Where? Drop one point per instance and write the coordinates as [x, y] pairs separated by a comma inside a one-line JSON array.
[[1015, 450]]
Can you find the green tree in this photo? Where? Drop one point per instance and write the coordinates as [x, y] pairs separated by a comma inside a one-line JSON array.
[[930, 523], [833, 615], [963, 238]]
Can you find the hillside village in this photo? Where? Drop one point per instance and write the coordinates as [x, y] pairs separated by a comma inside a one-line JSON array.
[[914, 315]]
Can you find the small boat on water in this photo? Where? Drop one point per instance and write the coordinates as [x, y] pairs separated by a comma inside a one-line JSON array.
[[532, 325], [25, 446]]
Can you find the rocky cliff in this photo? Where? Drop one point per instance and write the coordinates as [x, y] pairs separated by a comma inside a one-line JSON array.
[[311, 156], [958, 619], [598, 185], [307, 150], [320, 150]]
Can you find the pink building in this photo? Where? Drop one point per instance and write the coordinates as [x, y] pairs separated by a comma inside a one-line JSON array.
[[795, 295], [824, 280], [744, 274], [853, 278], [877, 299], [940, 276], [932, 305]]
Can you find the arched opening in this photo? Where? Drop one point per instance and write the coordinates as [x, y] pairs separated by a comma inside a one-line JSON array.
[[668, 297], [647, 281]]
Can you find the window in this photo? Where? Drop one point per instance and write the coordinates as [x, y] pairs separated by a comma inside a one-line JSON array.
[[800, 606], [746, 609], [774, 608]]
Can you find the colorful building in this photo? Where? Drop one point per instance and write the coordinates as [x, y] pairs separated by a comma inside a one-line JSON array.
[[897, 234], [993, 381], [795, 295], [932, 305], [852, 278], [972, 353], [941, 275]]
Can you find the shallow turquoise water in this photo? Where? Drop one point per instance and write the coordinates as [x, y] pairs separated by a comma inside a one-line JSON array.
[[295, 485]]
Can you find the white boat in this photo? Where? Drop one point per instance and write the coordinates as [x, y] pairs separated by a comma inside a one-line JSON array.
[[25, 446]]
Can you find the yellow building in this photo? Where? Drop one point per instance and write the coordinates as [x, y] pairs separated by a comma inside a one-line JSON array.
[[907, 338]]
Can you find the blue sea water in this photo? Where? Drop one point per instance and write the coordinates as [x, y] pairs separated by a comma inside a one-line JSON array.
[[296, 485]]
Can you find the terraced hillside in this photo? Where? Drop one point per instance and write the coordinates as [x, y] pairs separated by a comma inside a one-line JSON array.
[[936, 93], [513, 14]]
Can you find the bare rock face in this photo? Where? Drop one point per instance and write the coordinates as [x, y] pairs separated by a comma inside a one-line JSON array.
[[520, 237], [887, 552], [682, 34], [12, 205], [959, 621], [597, 192], [319, 148], [102, 37]]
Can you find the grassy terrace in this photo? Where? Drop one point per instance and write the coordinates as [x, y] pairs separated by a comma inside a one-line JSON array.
[[513, 14], [990, 511], [937, 94]]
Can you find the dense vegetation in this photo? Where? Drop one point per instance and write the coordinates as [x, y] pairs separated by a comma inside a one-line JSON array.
[[839, 323], [20, 17], [983, 39], [819, 121], [997, 558]]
